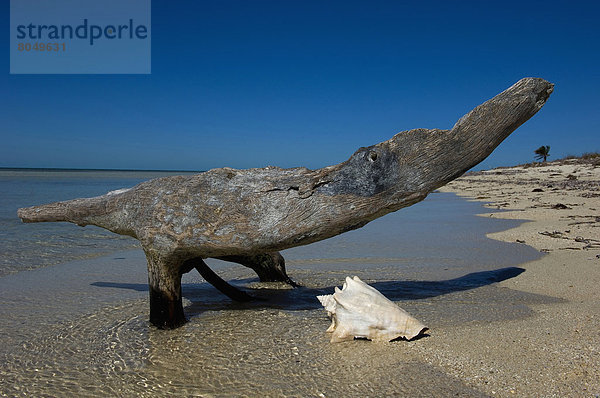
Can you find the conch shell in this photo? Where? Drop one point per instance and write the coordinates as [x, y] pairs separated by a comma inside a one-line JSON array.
[[360, 310]]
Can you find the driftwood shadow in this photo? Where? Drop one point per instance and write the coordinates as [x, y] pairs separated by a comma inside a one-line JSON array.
[[204, 296]]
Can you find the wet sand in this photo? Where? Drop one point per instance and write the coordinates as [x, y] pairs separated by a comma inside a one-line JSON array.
[[80, 328], [97, 342], [555, 351]]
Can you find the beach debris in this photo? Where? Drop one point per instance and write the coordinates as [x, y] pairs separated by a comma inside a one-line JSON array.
[[247, 216], [589, 242], [520, 241], [554, 234], [361, 311], [592, 244], [560, 206], [590, 195], [537, 190], [595, 220]]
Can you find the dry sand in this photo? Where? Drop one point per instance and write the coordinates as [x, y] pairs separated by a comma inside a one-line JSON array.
[[555, 352]]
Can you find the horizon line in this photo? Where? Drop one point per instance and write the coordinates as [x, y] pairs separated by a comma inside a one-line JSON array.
[[95, 169]]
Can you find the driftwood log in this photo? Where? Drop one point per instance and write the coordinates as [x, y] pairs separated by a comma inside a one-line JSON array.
[[246, 216]]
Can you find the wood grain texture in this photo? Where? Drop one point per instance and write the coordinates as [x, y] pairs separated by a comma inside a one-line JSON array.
[[248, 213]]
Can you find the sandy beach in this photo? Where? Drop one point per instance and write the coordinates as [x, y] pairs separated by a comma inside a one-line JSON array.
[[515, 315], [556, 350]]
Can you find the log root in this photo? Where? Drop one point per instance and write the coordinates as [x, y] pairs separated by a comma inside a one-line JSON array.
[[270, 267], [164, 281]]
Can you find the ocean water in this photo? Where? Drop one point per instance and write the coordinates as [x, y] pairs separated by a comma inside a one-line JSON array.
[[74, 304], [23, 247]]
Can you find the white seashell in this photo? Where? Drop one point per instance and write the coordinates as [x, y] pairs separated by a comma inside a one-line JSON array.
[[360, 310]]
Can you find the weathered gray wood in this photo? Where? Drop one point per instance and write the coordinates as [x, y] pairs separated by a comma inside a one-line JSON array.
[[242, 214], [270, 267], [211, 277]]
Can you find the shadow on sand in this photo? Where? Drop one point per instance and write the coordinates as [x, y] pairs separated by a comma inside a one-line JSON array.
[[204, 296]]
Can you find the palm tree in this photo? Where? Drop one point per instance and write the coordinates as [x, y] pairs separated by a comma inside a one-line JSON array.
[[542, 152]]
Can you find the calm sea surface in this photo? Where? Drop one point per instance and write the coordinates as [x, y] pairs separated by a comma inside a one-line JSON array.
[[74, 304], [29, 246]]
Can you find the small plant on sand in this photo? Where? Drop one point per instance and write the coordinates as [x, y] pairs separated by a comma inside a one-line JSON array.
[[542, 153], [590, 155]]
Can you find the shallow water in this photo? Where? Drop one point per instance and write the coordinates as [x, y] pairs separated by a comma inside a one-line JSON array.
[[80, 327], [24, 247]]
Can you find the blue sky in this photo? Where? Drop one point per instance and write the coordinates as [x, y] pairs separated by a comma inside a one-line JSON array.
[[305, 83]]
